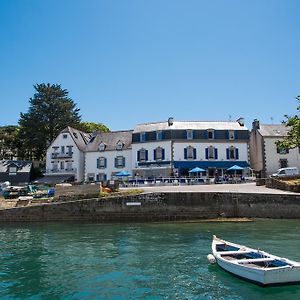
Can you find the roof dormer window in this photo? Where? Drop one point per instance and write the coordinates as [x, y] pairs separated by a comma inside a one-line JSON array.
[[119, 145], [75, 135], [102, 146]]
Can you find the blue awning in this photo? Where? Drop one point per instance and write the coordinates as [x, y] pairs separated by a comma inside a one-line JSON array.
[[209, 164]]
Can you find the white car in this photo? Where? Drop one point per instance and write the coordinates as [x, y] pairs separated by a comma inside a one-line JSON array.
[[291, 171]]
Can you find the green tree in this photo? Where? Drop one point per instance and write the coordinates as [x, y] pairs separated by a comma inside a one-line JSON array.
[[50, 111], [8, 141], [292, 140], [91, 126]]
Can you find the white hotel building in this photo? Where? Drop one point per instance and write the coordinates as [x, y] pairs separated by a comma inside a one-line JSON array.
[[162, 149]]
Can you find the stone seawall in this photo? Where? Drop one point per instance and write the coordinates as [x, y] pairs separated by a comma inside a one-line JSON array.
[[162, 207]]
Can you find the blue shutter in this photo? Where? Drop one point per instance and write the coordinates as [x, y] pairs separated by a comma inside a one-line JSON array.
[[138, 156], [146, 155], [195, 153], [227, 153], [105, 162], [105, 177], [216, 153], [116, 162], [235, 135], [206, 136], [185, 153], [123, 161], [227, 135], [154, 154], [206, 153], [236, 153], [98, 163], [163, 154], [97, 177]]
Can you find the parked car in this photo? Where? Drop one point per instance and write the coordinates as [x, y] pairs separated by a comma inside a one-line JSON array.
[[291, 171]]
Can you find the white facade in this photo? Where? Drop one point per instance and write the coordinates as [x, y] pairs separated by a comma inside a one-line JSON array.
[[94, 172], [64, 157], [265, 156]]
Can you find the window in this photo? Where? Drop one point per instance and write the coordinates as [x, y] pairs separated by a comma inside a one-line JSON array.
[[283, 163], [101, 146], [142, 155], [120, 162], [231, 135], [159, 153], [55, 167], [211, 153], [281, 150], [69, 166], [189, 152], [101, 177], [101, 163], [143, 137], [65, 136], [90, 177], [210, 134], [12, 170], [158, 135], [70, 150], [62, 165], [189, 134], [119, 145], [232, 153]]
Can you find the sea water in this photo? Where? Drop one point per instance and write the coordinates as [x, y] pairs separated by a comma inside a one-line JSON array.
[[135, 261]]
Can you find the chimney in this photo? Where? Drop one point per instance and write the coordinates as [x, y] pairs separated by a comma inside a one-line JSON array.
[[255, 124], [241, 121], [170, 121]]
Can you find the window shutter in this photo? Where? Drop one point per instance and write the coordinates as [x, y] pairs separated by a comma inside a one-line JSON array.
[[227, 153], [98, 163], [235, 135], [216, 153], [206, 153], [154, 154], [146, 155], [206, 136], [123, 161], [116, 162], [105, 177], [97, 177], [138, 156], [105, 162], [195, 153], [185, 153], [163, 154], [236, 153], [227, 135]]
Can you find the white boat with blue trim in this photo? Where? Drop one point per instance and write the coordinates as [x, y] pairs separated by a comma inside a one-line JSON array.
[[255, 265]]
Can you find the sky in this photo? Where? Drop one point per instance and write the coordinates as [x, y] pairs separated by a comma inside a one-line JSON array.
[[126, 62]]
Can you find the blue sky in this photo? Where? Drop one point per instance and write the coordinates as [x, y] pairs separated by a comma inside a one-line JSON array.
[[126, 62]]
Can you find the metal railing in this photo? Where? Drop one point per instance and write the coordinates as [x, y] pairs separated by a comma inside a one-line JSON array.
[[62, 155]]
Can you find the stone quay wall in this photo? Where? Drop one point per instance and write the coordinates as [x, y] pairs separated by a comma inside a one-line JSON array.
[[149, 207]]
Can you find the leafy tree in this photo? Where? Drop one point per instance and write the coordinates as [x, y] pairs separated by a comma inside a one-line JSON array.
[[292, 140], [50, 111], [91, 126], [8, 141]]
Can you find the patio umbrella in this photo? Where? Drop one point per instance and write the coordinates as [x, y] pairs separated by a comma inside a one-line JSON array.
[[196, 170], [235, 168], [123, 174]]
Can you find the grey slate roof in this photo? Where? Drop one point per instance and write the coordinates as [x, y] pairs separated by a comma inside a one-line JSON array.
[[278, 130], [24, 166], [80, 138], [184, 125], [110, 139]]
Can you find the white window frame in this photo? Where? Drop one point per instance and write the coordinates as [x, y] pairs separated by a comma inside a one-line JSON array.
[[142, 154], [190, 152], [119, 146], [143, 137], [231, 135], [212, 131], [159, 135], [159, 153], [211, 152], [189, 134], [102, 147], [12, 171], [102, 160], [232, 150]]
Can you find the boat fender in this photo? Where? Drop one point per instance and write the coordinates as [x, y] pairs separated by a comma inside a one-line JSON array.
[[211, 259]]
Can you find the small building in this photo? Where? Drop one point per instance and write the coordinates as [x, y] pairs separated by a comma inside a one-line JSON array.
[[107, 154], [65, 156], [17, 172], [266, 158]]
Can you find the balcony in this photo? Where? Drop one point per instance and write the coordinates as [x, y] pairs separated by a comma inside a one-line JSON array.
[[62, 171], [61, 155]]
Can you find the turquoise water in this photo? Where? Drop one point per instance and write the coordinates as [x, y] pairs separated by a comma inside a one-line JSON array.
[[135, 261]]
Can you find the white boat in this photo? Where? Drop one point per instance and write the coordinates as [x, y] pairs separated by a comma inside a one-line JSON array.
[[255, 265]]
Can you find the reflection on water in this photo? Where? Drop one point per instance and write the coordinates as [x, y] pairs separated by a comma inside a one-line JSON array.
[[135, 261]]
